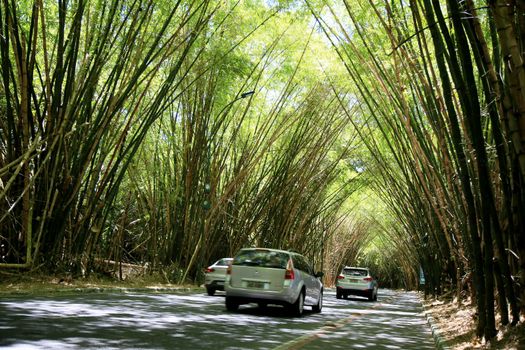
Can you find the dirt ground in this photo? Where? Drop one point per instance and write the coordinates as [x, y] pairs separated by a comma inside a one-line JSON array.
[[456, 326]]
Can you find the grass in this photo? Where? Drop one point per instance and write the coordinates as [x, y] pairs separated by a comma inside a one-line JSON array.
[[36, 283]]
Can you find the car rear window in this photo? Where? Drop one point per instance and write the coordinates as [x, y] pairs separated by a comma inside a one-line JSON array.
[[355, 272], [224, 262], [262, 258]]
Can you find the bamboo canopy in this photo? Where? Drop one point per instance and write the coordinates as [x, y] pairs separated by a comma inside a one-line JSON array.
[[167, 135]]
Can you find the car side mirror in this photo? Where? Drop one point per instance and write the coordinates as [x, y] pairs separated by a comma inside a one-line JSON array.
[[319, 274]]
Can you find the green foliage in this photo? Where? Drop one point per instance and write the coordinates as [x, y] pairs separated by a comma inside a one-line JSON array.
[[126, 137]]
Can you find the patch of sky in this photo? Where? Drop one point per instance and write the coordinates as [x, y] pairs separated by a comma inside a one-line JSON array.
[[336, 25]]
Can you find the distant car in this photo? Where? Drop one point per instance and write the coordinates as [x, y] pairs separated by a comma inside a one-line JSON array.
[[356, 281], [215, 275], [271, 276]]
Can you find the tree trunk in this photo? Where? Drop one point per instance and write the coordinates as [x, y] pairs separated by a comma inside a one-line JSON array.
[[492, 92], [475, 244], [471, 106]]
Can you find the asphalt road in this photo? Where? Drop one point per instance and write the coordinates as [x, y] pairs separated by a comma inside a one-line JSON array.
[[198, 321]]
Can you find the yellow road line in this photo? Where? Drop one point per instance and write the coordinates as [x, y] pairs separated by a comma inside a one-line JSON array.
[[298, 343]]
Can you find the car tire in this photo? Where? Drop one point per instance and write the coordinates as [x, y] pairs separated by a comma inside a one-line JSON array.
[[297, 308], [317, 308], [371, 295], [231, 304], [210, 291], [338, 295]]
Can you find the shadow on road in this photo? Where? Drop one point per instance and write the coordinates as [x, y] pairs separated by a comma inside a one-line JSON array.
[[198, 321]]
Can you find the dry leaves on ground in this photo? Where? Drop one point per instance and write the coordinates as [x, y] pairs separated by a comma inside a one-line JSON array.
[[456, 325]]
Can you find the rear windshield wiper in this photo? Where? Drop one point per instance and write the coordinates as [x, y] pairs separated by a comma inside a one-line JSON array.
[[248, 263]]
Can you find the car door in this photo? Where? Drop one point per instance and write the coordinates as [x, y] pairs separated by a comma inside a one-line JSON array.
[[314, 282], [310, 281]]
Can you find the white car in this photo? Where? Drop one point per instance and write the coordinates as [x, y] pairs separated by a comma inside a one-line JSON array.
[[215, 275], [271, 276], [356, 281]]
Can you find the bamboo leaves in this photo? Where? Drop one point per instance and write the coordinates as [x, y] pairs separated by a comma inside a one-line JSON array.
[[90, 103], [437, 144]]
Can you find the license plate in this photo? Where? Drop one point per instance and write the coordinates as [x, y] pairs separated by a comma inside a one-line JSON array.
[[220, 283], [354, 281], [255, 284]]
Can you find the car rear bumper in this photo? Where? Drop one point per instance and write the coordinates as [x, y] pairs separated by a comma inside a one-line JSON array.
[[245, 296], [215, 284], [352, 291]]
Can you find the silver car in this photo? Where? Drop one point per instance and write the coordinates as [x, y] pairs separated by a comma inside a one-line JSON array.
[[356, 281], [271, 276], [215, 275]]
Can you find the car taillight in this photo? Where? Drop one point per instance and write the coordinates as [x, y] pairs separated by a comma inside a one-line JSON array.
[[340, 277], [209, 269], [368, 279], [289, 274], [229, 270]]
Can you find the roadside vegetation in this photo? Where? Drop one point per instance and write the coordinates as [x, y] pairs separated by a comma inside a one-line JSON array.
[[166, 135]]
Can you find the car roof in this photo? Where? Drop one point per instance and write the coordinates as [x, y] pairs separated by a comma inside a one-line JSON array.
[[356, 268], [272, 250]]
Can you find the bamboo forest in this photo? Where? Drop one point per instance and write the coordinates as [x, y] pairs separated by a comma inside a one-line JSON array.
[[169, 134]]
